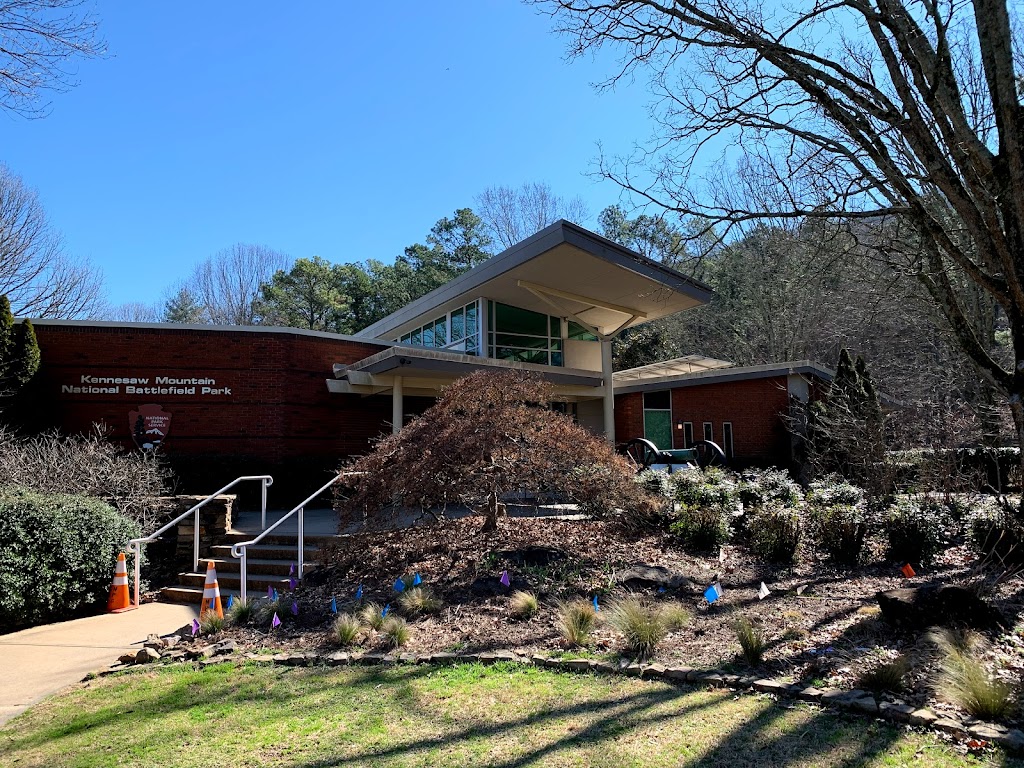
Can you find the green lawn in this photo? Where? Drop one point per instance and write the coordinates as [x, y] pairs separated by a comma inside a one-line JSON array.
[[505, 715]]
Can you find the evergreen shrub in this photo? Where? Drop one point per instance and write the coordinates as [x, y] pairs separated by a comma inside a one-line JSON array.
[[774, 533], [917, 528], [57, 554]]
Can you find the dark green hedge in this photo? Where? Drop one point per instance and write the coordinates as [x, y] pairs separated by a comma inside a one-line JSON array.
[[57, 555]]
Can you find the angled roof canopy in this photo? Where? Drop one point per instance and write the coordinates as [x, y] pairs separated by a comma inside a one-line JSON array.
[[678, 366], [563, 270]]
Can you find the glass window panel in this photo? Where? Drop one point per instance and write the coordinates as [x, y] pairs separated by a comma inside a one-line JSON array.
[[428, 336], [458, 324], [577, 331], [556, 344], [471, 324], [416, 337], [539, 356], [658, 400], [525, 342], [405, 339], [709, 431], [515, 320], [556, 358], [440, 332], [556, 327]]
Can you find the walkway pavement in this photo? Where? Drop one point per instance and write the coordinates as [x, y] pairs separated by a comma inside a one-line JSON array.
[[42, 660]]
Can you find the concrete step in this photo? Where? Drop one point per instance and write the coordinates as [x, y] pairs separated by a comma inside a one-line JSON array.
[[232, 581], [256, 566], [233, 537], [265, 552]]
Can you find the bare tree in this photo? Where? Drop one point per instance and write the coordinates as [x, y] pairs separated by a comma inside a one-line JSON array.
[[902, 114], [226, 284], [133, 312], [38, 41], [512, 215], [40, 280]]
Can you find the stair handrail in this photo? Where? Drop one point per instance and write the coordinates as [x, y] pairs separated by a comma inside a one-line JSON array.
[[240, 550], [135, 545]]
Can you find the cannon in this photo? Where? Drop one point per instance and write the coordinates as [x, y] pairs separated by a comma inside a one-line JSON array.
[[645, 454]]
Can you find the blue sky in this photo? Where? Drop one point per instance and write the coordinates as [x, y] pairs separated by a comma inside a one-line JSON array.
[[339, 129]]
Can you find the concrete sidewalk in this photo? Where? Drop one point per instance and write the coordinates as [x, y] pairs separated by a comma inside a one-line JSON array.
[[42, 660]]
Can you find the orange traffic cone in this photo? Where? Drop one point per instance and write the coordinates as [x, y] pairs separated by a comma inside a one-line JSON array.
[[211, 594], [119, 600]]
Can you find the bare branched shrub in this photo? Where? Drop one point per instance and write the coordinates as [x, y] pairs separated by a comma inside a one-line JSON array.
[[132, 482]]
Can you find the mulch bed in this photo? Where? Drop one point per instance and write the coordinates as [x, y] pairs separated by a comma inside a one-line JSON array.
[[826, 635]]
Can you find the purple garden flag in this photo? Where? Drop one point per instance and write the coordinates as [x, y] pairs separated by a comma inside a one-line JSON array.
[[505, 580], [291, 569], [295, 608], [276, 621], [195, 627], [270, 592], [291, 584]]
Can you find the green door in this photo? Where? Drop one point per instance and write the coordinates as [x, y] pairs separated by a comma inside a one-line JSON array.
[[658, 428]]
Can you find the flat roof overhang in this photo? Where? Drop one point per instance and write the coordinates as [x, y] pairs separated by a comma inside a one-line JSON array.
[[718, 376], [426, 371], [563, 270]]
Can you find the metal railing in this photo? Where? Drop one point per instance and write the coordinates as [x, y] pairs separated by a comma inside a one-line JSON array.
[[240, 550], [135, 545]]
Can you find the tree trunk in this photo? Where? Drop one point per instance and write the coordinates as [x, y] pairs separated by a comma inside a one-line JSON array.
[[491, 518]]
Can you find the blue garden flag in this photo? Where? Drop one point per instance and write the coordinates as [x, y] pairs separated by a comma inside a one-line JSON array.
[[384, 611], [275, 622], [295, 608], [399, 585], [276, 597], [596, 606], [359, 592], [334, 605], [505, 580], [416, 580], [713, 592], [231, 601]]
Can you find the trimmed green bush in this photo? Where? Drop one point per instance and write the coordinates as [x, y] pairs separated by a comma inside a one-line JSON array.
[[995, 531], [774, 533], [759, 488], [917, 529], [832, 490], [709, 487], [701, 527], [57, 554], [838, 530]]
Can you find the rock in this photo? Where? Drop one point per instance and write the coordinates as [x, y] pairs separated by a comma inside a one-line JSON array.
[[771, 686], [338, 658], [714, 679], [865, 704], [443, 658], [203, 652], [603, 667], [172, 654], [643, 576], [949, 725], [127, 658], [655, 670], [153, 641], [917, 608], [634, 670], [224, 646], [1013, 740], [577, 665], [893, 711], [678, 673], [147, 655], [810, 694], [988, 731], [171, 641], [922, 717]]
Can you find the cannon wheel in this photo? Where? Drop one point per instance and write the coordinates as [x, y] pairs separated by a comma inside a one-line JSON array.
[[642, 452], [709, 454]]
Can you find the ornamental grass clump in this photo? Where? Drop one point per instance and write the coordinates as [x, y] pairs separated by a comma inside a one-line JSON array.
[[241, 612], [372, 615], [751, 639], [641, 625], [887, 676], [962, 678], [524, 605], [395, 631], [674, 616], [418, 602], [210, 623], [346, 629], [576, 621]]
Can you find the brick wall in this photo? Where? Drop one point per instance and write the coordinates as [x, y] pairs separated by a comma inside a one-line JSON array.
[[278, 411], [755, 408]]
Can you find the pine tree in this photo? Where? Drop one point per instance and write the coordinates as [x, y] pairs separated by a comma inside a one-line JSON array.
[[19, 351], [183, 308]]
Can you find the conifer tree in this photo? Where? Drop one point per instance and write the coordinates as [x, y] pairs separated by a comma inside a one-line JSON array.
[[19, 351]]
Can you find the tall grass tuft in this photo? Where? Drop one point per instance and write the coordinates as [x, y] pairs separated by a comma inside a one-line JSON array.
[[241, 612], [347, 629], [963, 679], [887, 676], [576, 622], [642, 625], [524, 605], [395, 631], [751, 639], [418, 602], [674, 616], [370, 615], [210, 623]]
